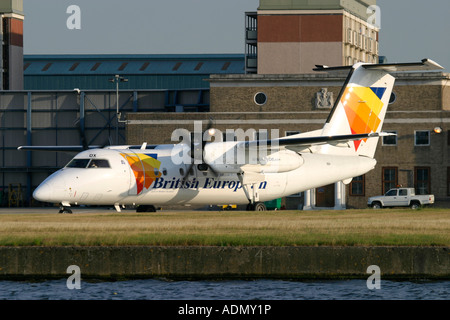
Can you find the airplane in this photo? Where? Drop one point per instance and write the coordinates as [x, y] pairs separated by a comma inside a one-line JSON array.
[[205, 172]]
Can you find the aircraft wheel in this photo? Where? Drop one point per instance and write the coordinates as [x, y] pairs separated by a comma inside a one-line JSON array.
[[260, 206], [250, 207]]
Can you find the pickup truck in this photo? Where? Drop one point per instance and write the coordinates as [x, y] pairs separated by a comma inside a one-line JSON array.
[[401, 197]]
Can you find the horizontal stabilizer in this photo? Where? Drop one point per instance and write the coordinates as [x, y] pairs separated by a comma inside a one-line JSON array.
[[424, 65]]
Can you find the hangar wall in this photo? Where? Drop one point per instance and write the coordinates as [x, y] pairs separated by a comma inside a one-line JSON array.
[[53, 118]]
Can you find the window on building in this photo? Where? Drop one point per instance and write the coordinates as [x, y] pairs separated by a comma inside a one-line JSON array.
[[357, 187], [422, 138], [422, 180], [260, 98], [390, 140], [390, 178], [261, 134], [291, 133]]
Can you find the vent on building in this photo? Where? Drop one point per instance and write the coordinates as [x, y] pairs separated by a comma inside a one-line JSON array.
[[177, 66], [95, 67], [123, 66], [47, 66], [74, 66], [144, 66], [198, 66], [225, 66]]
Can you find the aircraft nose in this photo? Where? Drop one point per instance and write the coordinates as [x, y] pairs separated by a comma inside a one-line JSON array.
[[43, 193]]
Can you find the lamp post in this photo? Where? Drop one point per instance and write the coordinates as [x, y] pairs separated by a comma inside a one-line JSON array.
[[116, 80]]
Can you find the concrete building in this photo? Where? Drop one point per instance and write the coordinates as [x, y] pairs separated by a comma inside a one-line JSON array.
[[291, 37]]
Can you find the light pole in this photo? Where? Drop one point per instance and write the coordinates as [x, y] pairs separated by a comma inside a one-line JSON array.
[[116, 80]]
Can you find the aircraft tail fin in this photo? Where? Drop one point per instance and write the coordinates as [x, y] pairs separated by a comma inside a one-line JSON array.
[[362, 103]]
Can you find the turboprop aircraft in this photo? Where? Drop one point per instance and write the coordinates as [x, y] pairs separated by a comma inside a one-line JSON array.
[[235, 172]]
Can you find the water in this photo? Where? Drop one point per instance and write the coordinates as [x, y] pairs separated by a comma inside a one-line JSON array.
[[151, 289]]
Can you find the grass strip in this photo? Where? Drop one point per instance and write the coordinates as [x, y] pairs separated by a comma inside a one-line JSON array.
[[395, 227]]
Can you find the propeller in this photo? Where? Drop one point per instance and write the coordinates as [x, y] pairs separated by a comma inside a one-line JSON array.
[[195, 149], [82, 134]]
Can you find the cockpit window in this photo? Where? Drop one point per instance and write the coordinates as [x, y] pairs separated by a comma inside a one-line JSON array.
[[99, 163], [78, 163], [88, 163]]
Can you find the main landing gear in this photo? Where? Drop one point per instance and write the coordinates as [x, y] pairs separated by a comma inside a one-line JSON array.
[[146, 208], [249, 183], [258, 206]]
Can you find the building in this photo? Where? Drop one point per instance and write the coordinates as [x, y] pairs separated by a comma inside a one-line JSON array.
[[291, 37], [11, 33], [143, 71]]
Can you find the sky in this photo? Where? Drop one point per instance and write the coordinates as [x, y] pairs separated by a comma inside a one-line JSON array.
[[410, 29]]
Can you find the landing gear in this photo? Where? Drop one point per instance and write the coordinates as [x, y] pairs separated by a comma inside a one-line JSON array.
[[146, 208], [63, 209], [249, 186], [259, 206]]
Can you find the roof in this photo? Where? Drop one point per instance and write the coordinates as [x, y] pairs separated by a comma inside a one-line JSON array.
[[181, 64]]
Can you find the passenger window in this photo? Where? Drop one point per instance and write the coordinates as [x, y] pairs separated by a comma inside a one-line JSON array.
[[98, 163], [403, 192]]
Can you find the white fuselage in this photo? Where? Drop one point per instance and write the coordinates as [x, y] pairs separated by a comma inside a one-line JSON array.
[[138, 177]]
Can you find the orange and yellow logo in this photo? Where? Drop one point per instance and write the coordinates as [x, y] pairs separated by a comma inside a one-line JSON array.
[[145, 168], [363, 106]]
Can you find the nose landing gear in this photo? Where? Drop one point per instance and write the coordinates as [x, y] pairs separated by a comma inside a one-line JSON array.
[[64, 209]]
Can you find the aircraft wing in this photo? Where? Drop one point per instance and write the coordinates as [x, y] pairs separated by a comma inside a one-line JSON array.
[[306, 142], [55, 148], [80, 148]]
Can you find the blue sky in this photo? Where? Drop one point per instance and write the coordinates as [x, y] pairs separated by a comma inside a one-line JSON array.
[[410, 29]]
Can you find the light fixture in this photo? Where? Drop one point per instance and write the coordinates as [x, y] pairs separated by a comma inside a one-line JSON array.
[[212, 132], [438, 130]]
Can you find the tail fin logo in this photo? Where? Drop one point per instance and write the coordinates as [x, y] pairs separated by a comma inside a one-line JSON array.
[[363, 106]]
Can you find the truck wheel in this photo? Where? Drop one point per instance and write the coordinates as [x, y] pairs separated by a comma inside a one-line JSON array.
[[415, 205], [376, 205]]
